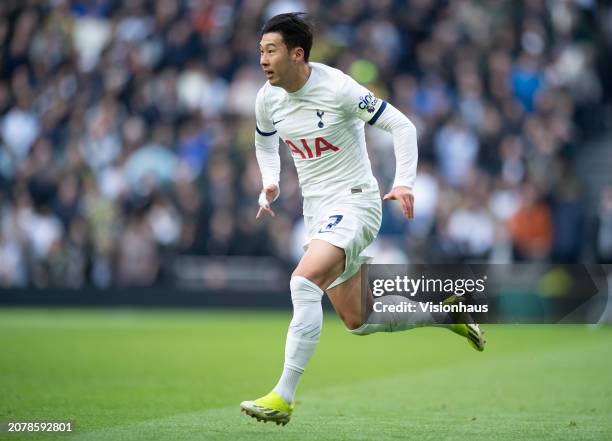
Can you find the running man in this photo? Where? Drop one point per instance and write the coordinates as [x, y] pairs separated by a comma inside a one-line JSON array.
[[319, 112]]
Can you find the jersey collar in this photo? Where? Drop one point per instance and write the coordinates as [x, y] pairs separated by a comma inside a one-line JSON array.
[[307, 85]]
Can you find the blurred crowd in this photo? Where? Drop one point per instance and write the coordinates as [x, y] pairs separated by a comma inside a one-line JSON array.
[[127, 127]]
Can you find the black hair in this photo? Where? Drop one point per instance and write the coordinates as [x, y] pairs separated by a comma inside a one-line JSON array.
[[295, 29]]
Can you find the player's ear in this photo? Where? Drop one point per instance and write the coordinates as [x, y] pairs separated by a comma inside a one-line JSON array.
[[298, 54]]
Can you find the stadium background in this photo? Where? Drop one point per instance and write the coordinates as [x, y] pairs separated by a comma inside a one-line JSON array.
[[127, 176], [127, 133]]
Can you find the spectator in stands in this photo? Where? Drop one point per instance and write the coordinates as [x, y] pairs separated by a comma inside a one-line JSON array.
[[531, 226], [603, 246]]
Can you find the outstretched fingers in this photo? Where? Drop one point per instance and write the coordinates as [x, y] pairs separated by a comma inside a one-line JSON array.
[[408, 205], [261, 211]]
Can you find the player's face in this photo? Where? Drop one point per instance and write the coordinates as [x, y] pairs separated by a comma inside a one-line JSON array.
[[275, 58]]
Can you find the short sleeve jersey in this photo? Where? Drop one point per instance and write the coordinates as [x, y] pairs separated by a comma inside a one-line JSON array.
[[322, 125]]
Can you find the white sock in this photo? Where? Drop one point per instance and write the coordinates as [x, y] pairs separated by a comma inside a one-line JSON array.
[[398, 321], [303, 335]]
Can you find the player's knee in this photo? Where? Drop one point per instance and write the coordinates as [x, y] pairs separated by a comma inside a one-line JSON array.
[[315, 277], [304, 290]]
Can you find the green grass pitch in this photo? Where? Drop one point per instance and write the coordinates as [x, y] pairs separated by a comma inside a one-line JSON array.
[[180, 375]]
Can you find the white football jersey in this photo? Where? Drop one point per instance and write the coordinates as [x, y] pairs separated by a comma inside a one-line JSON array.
[[322, 124]]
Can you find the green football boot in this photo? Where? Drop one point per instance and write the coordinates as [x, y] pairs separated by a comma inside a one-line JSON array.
[[268, 408]]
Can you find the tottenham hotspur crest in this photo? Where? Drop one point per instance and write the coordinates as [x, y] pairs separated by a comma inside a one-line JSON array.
[[320, 115]]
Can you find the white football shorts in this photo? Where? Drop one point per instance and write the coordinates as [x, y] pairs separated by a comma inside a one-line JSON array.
[[348, 221]]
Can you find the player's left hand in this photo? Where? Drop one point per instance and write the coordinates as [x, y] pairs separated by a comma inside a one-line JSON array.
[[406, 199]]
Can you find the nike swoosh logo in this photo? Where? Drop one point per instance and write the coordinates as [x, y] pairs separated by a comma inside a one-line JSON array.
[[276, 122]]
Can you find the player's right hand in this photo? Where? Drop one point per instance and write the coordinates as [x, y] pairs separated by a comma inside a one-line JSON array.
[[266, 197]]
